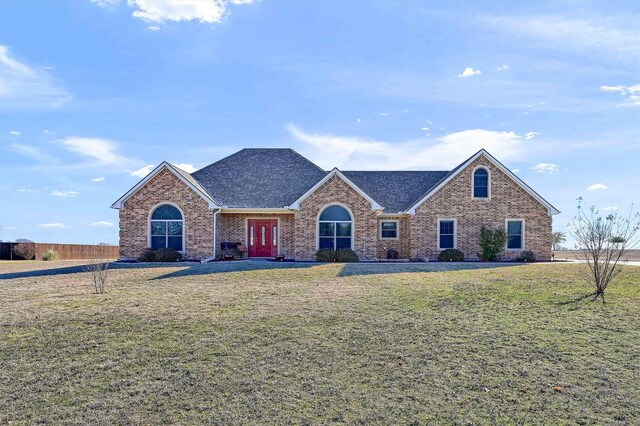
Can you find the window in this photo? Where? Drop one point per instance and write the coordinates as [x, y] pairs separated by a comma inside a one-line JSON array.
[[446, 234], [166, 228], [481, 183], [389, 229], [515, 234], [334, 228]]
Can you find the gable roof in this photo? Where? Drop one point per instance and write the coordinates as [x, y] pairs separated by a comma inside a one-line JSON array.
[[180, 174], [395, 190], [453, 173], [335, 172], [259, 178]]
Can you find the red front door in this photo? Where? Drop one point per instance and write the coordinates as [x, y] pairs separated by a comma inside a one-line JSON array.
[[263, 237]]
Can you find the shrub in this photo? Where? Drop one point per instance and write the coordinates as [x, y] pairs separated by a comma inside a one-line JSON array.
[[526, 256], [393, 254], [492, 243], [50, 254], [326, 255], [99, 267], [25, 250], [451, 255], [346, 255], [160, 255]]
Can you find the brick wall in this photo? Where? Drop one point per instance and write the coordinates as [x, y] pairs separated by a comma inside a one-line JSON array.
[[335, 190], [402, 244], [231, 227], [166, 187], [508, 200]]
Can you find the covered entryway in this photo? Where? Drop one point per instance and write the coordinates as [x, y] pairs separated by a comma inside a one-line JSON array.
[[262, 237]]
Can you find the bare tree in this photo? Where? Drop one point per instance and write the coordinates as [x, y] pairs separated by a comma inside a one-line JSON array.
[[25, 250], [99, 267], [602, 243]]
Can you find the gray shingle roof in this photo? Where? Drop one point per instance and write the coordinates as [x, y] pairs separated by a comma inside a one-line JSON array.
[[259, 178], [395, 191], [191, 180]]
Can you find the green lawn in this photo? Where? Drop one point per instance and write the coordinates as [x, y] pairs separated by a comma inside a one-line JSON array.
[[248, 343]]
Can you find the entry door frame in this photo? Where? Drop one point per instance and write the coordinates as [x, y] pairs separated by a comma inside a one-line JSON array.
[[246, 232]]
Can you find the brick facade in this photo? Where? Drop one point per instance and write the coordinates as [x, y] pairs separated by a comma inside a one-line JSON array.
[[417, 235], [232, 227], [165, 187], [454, 200], [401, 244], [335, 191]]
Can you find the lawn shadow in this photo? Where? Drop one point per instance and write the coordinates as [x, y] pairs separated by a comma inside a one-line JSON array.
[[234, 266], [63, 270], [354, 269]]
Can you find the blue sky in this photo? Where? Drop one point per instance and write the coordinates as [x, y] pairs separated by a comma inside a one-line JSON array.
[[93, 93]]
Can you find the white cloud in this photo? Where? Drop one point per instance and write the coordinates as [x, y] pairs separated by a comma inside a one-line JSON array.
[[56, 225], [105, 3], [28, 190], [153, 28], [15, 133], [189, 168], [142, 172], [503, 67], [469, 72], [596, 186], [515, 170], [34, 153], [241, 2], [424, 128], [8, 228], [368, 154], [22, 86], [530, 135], [100, 149], [632, 93], [611, 208], [68, 194], [545, 168], [210, 11], [612, 36], [101, 223], [98, 179]]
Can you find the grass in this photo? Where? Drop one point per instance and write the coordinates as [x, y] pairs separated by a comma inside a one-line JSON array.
[[247, 343]]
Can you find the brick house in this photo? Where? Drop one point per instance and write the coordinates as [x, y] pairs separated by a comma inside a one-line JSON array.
[[276, 202]]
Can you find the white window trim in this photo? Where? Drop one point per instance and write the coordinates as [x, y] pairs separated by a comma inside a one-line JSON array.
[[455, 231], [506, 228], [184, 223], [397, 222], [246, 232], [353, 223], [473, 175]]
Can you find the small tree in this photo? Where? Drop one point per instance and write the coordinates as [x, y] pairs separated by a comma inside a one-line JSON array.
[[492, 243], [99, 267], [602, 242], [25, 249], [557, 238]]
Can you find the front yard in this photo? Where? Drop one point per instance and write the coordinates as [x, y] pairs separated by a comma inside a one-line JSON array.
[[247, 343]]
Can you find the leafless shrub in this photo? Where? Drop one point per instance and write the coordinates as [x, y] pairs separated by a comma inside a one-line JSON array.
[[99, 267], [25, 249], [602, 243]]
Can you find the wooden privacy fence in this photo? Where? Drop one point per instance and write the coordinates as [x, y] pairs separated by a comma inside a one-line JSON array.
[[65, 251]]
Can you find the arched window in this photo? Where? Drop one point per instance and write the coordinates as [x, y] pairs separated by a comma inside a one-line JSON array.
[[481, 183], [167, 228], [334, 228]]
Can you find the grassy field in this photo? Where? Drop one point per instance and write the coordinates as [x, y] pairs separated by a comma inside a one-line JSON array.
[[247, 343]]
